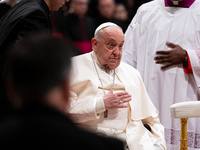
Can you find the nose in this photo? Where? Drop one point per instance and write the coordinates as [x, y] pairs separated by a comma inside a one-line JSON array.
[[116, 51]]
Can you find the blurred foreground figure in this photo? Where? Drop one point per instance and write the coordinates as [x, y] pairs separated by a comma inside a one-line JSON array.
[[78, 26], [163, 43], [37, 79]]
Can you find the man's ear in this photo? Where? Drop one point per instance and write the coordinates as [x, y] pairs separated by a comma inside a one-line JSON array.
[[94, 44]]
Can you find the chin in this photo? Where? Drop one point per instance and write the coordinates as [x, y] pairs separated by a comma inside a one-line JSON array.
[[55, 9], [113, 67]]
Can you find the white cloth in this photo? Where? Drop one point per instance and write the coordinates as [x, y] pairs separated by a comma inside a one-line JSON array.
[[152, 26], [87, 95]]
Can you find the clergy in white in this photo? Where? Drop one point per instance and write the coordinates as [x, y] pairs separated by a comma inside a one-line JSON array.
[[108, 96], [163, 44]]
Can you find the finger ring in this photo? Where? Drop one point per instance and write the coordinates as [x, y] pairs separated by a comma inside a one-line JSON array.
[[120, 102]]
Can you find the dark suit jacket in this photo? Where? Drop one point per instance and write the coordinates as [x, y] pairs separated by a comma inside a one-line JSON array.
[[4, 9], [24, 18], [39, 127]]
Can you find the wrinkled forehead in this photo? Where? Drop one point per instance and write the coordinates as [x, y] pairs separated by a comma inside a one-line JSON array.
[[112, 34]]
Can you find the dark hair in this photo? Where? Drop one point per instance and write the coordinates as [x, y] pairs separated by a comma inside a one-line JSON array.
[[37, 64]]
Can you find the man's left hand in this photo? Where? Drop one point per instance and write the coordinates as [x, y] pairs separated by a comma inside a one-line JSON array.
[[171, 57]]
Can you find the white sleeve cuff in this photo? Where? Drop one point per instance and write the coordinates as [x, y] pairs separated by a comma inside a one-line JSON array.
[[100, 107]]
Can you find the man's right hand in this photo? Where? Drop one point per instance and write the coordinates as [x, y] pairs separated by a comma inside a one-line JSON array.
[[116, 100]]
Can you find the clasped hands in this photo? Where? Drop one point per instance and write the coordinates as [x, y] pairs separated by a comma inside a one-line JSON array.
[[116, 100], [171, 57]]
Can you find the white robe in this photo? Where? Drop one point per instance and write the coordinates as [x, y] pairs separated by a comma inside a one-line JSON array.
[[87, 107], [152, 26]]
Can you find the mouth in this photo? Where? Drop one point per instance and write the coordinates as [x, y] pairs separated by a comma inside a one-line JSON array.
[[114, 58]]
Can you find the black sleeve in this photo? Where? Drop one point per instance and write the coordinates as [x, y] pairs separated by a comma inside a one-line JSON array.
[[35, 21]]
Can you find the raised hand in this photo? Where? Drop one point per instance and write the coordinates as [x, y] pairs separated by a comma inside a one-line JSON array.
[[171, 57], [116, 100]]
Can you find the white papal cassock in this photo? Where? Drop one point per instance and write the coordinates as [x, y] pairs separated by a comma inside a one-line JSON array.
[[152, 26], [87, 107]]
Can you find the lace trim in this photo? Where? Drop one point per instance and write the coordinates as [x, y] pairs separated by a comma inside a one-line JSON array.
[[173, 138]]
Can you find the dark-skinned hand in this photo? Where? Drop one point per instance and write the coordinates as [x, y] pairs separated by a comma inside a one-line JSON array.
[[171, 57]]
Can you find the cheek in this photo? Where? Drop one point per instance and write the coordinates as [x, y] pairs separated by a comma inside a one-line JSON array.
[[104, 57], [120, 55], [109, 54]]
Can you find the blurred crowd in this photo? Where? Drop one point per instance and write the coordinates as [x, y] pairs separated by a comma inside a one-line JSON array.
[[78, 19]]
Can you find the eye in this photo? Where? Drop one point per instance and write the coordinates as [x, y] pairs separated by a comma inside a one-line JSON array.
[[111, 45], [120, 47]]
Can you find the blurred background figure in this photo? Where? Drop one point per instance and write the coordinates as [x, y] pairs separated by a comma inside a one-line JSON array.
[[5, 5], [131, 8], [121, 13], [106, 10], [76, 25]]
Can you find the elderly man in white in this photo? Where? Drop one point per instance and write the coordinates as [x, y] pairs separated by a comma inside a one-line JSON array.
[[108, 96]]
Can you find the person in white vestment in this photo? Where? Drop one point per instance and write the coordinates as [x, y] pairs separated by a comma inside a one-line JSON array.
[[108, 96], [163, 44]]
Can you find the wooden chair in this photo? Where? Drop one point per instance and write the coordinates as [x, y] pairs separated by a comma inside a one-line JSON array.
[[185, 110]]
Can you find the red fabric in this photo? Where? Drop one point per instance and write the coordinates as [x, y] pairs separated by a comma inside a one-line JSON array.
[[53, 27], [183, 3], [187, 67], [57, 34], [84, 46]]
